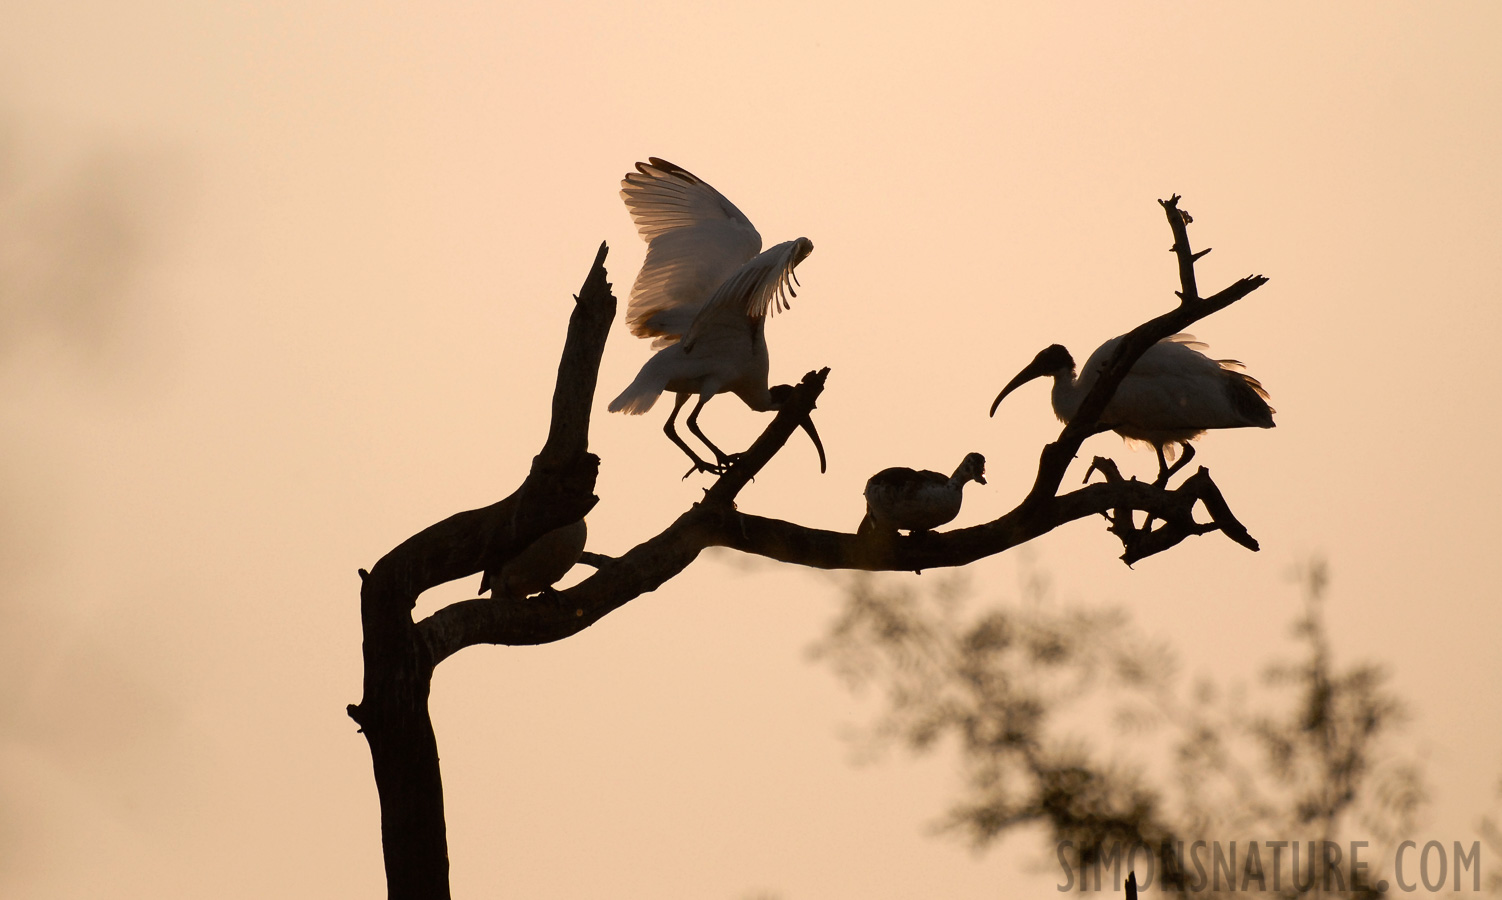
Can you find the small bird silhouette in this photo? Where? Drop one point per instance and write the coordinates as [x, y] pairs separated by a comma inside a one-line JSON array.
[[917, 500], [542, 564]]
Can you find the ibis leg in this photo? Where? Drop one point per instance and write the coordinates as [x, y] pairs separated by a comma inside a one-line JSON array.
[[1165, 471], [672, 433], [721, 457]]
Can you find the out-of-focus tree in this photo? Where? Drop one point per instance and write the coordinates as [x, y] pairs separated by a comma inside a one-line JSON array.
[[1491, 836], [79, 217], [74, 222], [1016, 687]]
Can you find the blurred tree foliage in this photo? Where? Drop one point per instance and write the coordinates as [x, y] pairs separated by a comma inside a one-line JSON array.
[[1023, 688], [77, 219], [1491, 836]]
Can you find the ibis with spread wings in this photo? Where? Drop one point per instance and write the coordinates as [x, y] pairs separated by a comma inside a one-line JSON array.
[[703, 296]]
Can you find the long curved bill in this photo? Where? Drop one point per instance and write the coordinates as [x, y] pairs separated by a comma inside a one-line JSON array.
[[808, 425], [1035, 369]]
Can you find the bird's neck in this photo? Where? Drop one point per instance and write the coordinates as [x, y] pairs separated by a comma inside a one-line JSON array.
[[1067, 394]]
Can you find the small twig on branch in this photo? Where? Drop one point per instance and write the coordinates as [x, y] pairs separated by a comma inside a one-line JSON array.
[[1178, 221], [1104, 466]]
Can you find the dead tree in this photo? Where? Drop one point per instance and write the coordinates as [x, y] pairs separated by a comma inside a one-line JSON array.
[[400, 654]]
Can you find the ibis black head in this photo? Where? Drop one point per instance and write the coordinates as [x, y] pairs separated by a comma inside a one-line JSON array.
[[781, 394], [973, 466], [1052, 360], [802, 247]]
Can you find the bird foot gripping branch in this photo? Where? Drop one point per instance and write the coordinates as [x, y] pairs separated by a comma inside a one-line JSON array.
[[804, 420]]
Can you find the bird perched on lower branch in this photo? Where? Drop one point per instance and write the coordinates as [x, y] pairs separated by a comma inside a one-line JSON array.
[[1172, 395], [917, 500], [541, 565]]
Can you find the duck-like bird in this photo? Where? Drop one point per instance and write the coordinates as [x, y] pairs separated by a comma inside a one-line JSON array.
[[1172, 395], [540, 566], [917, 500], [704, 295]]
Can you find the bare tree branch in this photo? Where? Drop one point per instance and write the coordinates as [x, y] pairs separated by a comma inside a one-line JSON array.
[[400, 655], [1086, 421], [714, 521], [398, 667], [547, 618]]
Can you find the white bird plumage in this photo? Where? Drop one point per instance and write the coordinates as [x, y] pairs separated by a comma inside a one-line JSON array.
[[917, 499], [1172, 395], [704, 294]]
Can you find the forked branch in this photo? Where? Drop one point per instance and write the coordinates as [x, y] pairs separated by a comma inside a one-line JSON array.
[[715, 521], [393, 713], [1057, 456], [400, 655]]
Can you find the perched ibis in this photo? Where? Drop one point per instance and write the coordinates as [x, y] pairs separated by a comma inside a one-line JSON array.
[[703, 295], [1171, 396], [917, 500]]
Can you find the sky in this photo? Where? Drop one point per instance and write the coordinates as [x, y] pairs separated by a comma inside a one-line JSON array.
[[284, 283]]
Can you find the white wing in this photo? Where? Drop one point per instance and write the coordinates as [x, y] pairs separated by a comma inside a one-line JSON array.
[[756, 290], [1175, 389], [1174, 355], [696, 239]]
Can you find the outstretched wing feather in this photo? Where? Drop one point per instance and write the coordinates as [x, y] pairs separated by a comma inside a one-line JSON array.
[[758, 289], [696, 239], [662, 197]]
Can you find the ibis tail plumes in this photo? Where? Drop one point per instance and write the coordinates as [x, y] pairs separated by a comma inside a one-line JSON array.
[[703, 296], [917, 500], [541, 565], [1171, 396]]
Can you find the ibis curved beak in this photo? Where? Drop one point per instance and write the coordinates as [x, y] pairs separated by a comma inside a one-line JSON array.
[[808, 425], [1035, 369]]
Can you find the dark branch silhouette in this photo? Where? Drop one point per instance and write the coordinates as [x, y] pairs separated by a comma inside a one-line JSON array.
[[400, 655]]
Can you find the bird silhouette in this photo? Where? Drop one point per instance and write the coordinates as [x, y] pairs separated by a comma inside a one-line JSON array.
[[703, 296], [1172, 395], [541, 565], [917, 500]]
